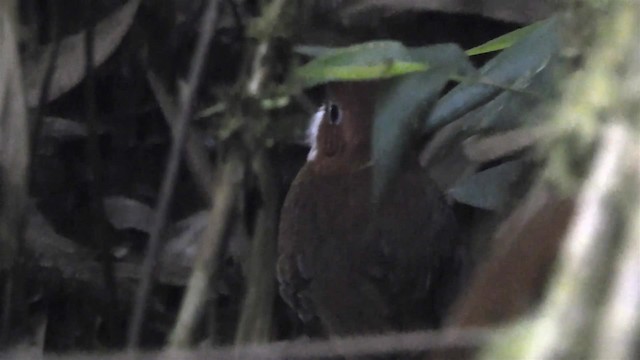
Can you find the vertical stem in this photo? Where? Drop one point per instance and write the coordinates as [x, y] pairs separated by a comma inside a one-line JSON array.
[[14, 162], [206, 265], [187, 104], [98, 232], [256, 317], [256, 313]]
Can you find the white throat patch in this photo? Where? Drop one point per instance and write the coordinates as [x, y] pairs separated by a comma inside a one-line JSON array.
[[312, 133]]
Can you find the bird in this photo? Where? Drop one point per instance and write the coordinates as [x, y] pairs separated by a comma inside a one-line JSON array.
[[354, 265]]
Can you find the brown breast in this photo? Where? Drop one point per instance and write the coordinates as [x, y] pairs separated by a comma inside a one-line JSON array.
[[357, 267]]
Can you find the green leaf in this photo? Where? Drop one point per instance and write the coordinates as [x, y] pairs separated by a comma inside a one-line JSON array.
[[488, 189], [504, 41], [517, 64], [371, 60], [364, 72], [313, 50], [405, 101], [450, 55], [395, 119], [511, 109], [277, 102]]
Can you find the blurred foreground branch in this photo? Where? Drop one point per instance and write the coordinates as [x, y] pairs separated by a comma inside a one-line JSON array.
[[225, 192], [256, 316], [14, 163], [581, 315], [415, 342]]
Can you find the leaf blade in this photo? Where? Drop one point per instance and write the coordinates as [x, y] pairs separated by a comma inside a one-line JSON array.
[[516, 64], [504, 41]]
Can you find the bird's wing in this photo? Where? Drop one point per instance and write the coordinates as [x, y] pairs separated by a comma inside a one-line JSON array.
[[317, 263], [296, 239], [421, 256]]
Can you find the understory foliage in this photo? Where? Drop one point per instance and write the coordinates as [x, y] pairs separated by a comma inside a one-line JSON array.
[[146, 147]]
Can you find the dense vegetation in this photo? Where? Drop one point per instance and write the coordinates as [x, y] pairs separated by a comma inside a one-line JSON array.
[[140, 195]]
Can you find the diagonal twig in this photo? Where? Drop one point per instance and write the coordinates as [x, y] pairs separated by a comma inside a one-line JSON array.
[[170, 175]]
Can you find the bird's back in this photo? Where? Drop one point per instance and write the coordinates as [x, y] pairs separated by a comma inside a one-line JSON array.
[[366, 268]]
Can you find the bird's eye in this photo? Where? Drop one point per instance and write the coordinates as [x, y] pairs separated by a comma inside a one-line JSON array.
[[334, 113]]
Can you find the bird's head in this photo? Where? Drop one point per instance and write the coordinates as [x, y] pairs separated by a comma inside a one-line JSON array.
[[340, 133]]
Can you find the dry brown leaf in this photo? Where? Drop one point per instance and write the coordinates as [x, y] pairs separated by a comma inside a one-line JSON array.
[[492, 147], [70, 64]]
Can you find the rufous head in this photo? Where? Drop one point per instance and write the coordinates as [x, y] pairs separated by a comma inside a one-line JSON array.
[[340, 133]]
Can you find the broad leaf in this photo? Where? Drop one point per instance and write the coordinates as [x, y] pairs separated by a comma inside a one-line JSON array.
[[488, 189], [514, 65], [405, 101], [504, 41], [511, 109], [314, 50], [372, 60], [126, 213], [70, 65]]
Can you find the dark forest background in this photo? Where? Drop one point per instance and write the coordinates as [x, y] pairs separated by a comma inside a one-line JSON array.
[[123, 183]]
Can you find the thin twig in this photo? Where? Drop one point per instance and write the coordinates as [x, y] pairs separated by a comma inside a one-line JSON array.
[[169, 179], [412, 342], [196, 155], [255, 324], [38, 115], [205, 267], [98, 233]]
